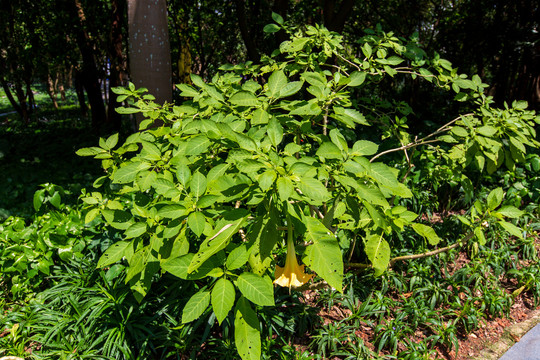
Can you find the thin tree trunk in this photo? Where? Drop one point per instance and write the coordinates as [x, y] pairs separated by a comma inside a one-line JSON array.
[[30, 95], [10, 97], [253, 53], [61, 88], [149, 48], [79, 89], [117, 69], [89, 73], [51, 91], [21, 97]]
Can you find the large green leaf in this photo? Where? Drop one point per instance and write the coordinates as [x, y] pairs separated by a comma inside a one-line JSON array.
[[328, 150], [195, 306], [357, 78], [216, 172], [264, 236], [118, 219], [511, 228], [237, 258], [178, 266], [259, 117], [173, 211], [308, 109], [223, 295], [113, 254], [90, 151], [246, 331], [256, 289], [187, 90], [135, 230], [145, 179], [378, 252], [127, 173], [364, 148], [324, 255], [197, 145], [372, 195], [244, 98], [150, 151], [197, 222], [313, 189], [275, 131], [349, 116], [427, 232], [510, 211], [495, 198], [266, 179], [197, 184], [285, 188], [291, 89], [246, 142], [276, 82], [339, 140], [224, 230], [383, 175]]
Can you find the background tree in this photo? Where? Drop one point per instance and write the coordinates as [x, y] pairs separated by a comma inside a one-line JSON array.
[[149, 49]]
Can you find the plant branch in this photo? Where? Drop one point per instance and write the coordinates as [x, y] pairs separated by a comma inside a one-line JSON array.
[[426, 254], [417, 256], [422, 141], [404, 147]]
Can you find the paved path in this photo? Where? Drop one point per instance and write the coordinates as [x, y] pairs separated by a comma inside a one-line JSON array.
[[528, 347]]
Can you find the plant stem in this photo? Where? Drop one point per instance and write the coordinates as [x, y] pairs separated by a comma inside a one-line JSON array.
[[422, 141]]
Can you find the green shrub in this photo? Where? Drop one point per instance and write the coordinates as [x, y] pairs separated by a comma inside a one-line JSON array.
[[283, 147]]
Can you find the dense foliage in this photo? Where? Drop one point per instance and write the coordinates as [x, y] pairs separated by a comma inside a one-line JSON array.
[[276, 147], [320, 155]]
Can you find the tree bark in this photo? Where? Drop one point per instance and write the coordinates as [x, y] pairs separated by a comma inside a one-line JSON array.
[[89, 75], [79, 89], [253, 53], [149, 48], [10, 97], [117, 70], [19, 92], [51, 92]]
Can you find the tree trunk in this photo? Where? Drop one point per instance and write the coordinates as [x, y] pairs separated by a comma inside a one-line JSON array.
[[21, 96], [51, 91], [30, 95], [149, 49], [10, 97], [117, 67], [89, 76], [79, 89], [253, 53]]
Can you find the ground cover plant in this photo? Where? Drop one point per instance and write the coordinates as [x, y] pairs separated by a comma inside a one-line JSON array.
[[305, 158]]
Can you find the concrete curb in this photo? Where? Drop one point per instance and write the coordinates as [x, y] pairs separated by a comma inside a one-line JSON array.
[[510, 336]]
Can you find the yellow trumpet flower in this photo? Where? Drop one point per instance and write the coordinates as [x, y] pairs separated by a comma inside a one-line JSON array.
[[292, 275]]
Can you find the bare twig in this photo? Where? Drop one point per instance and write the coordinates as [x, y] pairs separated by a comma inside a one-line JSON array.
[[325, 123], [424, 140], [426, 254], [404, 147], [316, 211]]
